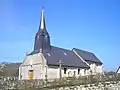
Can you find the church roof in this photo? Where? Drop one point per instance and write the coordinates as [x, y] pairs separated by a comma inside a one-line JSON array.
[[87, 56], [67, 57]]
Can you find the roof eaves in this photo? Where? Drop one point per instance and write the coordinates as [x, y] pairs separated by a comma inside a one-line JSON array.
[[68, 66], [32, 53]]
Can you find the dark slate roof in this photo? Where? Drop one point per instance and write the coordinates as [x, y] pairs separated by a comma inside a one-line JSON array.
[[87, 56], [67, 57]]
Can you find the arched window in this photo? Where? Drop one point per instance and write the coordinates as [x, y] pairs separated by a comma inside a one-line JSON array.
[[78, 71], [65, 70]]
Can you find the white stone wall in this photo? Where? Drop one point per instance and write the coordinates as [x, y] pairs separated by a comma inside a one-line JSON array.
[[52, 73], [34, 59], [35, 62], [100, 69], [55, 72], [23, 73], [96, 68]]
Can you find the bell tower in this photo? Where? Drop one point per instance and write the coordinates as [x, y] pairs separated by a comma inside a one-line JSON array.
[[42, 38]]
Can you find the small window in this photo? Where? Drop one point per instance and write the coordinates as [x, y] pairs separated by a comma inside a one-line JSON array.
[[84, 71], [20, 76], [78, 71], [46, 36], [74, 73], [48, 54], [65, 53], [65, 70], [37, 37]]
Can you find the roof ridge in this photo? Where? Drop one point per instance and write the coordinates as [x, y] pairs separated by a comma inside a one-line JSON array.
[[84, 50], [62, 48]]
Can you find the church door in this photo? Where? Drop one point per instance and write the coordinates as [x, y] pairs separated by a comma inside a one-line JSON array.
[[30, 74]]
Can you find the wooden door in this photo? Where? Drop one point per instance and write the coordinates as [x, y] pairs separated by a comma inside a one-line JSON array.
[[30, 74]]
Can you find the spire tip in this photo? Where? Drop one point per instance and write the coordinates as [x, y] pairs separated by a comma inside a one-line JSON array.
[[42, 22]]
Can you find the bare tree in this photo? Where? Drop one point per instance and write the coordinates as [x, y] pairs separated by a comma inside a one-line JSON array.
[[2, 66]]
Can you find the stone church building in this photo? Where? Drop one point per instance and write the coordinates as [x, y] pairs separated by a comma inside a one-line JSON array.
[[49, 62]]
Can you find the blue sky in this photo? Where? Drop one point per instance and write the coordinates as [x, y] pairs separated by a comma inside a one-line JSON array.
[[92, 25]]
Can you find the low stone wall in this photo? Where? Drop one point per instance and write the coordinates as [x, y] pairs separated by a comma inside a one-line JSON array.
[[100, 86], [112, 85], [81, 83]]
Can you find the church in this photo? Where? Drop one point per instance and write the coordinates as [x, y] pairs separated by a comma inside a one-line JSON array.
[[51, 62]]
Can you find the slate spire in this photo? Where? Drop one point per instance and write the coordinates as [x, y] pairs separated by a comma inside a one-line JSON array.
[[42, 25], [42, 38]]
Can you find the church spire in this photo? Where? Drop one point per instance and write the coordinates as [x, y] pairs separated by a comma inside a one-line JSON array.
[[42, 21], [42, 38]]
